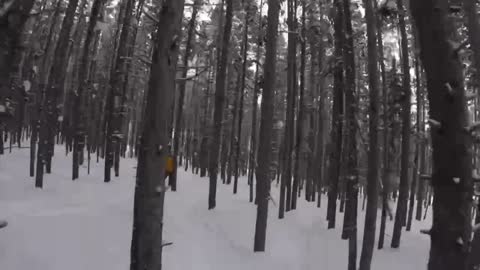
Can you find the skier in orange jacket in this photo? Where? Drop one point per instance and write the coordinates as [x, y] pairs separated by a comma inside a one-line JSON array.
[[169, 167]]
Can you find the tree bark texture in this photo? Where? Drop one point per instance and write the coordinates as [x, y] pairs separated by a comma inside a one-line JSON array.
[[147, 235], [337, 117], [401, 212], [373, 151], [218, 110], [263, 175], [451, 173]]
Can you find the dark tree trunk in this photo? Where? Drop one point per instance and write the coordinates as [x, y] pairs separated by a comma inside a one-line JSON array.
[[421, 132], [236, 96], [386, 153], [79, 122], [451, 174], [218, 111], [48, 118], [181, 89], [240, 105], [413, 186], [337, 115], [286, 177], [300, 117], [253, 136], [205, 124], [313, 88], [146, 246], [319, 140], [113, 108], [350, 218], [373, 153], [263, 174], [401, 212]]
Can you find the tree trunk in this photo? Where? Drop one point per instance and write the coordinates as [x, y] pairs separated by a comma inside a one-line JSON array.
[[253, 136], [147, 243], [240, 106], [319, 140], [373, 153], [236, 96], [300, 117], [218, 111], [48, 118], [350, 217], [413, 187], [79, 121], [401, 212], [181, 89], [451, 175], [386, 148], [337, 115], [113, 108], [285, 184], [266, 127], [421, 132]]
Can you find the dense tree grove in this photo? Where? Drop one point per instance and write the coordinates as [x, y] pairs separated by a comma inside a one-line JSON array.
[[352, 105]]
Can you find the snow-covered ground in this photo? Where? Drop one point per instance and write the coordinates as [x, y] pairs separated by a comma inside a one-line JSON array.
[[86, 225]]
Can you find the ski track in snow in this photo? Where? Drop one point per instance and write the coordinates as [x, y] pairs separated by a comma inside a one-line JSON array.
[[86, 225]]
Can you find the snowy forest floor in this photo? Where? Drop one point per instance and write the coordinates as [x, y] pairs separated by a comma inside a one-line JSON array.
[[86, 225]]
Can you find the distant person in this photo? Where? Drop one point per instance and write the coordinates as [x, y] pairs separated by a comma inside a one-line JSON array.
[[169, 168]]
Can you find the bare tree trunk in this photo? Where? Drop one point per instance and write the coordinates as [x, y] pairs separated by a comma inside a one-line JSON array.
[[386, 148], [300, 116], [181, 89], [451, 175], [79, 121], [205, 123], [236, 96], [48, 119], [253, 136], [266, 127], [401, 212], [147, 238], [242, 90], [319, 140], [350, 217], [421, 131], [113, 108], [413, 186], [285, 184], [337, 116], [373, 153], [218, 111]]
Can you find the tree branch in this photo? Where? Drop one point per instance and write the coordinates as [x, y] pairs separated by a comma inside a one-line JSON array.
[[192, 77]]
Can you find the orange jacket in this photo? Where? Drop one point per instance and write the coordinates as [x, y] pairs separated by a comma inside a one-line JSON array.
[[170, 167]]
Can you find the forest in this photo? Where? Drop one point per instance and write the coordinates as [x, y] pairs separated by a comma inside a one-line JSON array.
[[234, 134]]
